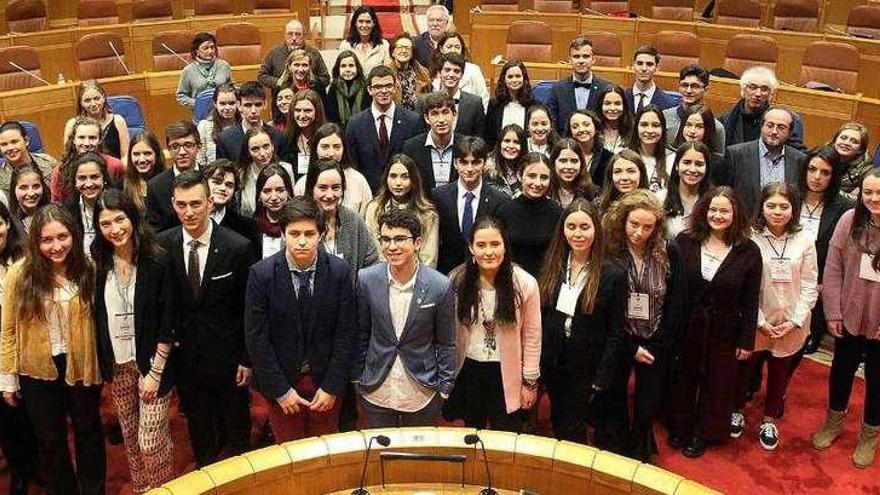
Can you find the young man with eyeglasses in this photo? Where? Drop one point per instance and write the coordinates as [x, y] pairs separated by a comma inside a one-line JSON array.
[[378, 133], [743, 122], [404, 363], [300, 325], [693, 83], [251, 97], [183, 144]]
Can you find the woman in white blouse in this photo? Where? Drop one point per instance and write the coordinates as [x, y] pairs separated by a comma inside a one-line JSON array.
[[472, 80], [788, 293], [648, 139], [365, 39]]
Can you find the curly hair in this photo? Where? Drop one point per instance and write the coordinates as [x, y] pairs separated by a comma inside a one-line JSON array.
[[614, 225]]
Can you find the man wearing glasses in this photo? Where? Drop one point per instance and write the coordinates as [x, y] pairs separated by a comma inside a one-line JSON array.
[[378, 132], [693, 83], [743, 122], [405, 350], [276, 60], [183, 144]]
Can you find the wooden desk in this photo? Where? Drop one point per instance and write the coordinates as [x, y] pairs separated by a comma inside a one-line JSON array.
[[427, 489]]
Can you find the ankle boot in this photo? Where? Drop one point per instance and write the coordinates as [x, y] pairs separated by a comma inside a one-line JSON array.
[[863, 457], [830, 430]]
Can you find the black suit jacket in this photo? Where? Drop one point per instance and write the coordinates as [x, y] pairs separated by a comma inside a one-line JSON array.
[[278, 344], [470, 115], [160, 214], [210, 327], [154, 312], [494, 116], [243, 226], [562, 102], [415, 148], [363, 141], [453, 246], [424, 49], [660, 98], [229, 142], [742, 170]]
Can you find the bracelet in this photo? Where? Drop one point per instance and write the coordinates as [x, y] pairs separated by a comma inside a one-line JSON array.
[[155, 376], [530, 384]]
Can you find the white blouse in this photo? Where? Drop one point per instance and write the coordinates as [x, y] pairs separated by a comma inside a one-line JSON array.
[[119, 300]]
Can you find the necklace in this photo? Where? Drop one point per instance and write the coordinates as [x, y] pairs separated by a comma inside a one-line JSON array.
[[488, 327]]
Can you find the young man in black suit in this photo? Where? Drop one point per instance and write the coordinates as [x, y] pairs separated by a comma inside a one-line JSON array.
[[646, 62], [300, 324], [434, 151], [183, 144], [471, 115], [461, 203], [251, 98], [208, 272], [578, 92], [378, 132]]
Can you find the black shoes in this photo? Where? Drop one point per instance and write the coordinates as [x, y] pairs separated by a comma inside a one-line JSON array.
[[676, 442], [695, 448], [813, 344]]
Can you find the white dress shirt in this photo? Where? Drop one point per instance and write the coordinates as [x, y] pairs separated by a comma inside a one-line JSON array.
[[649, 94], [459, 202], [120, 316], [441, 159], [389, 119]]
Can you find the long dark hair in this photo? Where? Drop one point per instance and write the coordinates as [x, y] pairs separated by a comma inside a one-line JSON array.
[[326, 130], [466, 280], [292, 131], [739, 229], [672, 204], [862, 219], [609, 192], [709, 130], [12, 250], [503, 164], [625, 122], [134, 183], [502, 94], [419, 202], [244, 153], [215, 117], [557, 257], [830, 156], [553, 135], [375, 35], [635, 142], [143, 242], [88, 157], [359, 76], [17, 173], [315, 171], [37, 279], [267, 173], [583, 184]]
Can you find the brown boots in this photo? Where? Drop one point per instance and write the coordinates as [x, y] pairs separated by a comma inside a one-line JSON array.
[[866, 447], [830, 430], [863, 457]]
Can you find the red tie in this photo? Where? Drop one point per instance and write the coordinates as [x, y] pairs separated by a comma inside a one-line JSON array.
[[383, 134]]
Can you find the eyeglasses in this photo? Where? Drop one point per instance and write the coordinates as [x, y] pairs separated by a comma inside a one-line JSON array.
[[754, 87], [403, 47], [188, 146], [691, 86], [382, 87], [384, 240]]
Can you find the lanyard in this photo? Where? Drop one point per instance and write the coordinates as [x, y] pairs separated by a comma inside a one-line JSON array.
[[779, 255], [810, 211], [580, 273], [123, 292], [635, 275]]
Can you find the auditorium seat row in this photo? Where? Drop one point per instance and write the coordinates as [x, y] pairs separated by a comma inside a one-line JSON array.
[[23, 16]]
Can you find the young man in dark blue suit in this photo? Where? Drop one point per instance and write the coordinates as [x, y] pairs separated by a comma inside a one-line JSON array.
[[183, 144], [207, 274], [300, 323], [646, 62], [578, 92], [369, 145], [251, 99]]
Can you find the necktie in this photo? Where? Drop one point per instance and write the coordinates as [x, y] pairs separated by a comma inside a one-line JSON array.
[[305, 288], [641, 102], [467, 218], [303, 299], [383, 135], [195, 280]]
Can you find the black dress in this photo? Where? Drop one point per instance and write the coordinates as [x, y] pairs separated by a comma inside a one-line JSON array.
[[531, 224], [110, 139]]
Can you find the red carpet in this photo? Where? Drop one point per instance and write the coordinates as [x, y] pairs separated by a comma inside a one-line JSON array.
[[738, 467]]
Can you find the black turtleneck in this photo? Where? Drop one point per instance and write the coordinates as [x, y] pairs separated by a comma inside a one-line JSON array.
[[531, 224]]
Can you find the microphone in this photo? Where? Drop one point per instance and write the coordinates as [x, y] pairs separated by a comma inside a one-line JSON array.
[[471, 439], [185, 62], [587, 10], [383, 441], [22, 69], [119, 57]]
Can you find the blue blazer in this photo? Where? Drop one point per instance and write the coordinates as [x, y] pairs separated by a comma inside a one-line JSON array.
[[427, 344], [277, 343], [562, 102], [363, 141], [660, 98]]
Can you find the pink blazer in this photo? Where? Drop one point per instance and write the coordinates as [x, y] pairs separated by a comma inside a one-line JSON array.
[[519, 345]]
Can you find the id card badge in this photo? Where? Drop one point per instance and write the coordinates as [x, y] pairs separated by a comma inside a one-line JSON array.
[[780, 270], [126, 326], [866, 271], [302, 163], [708, 266], [810, 225], [639, 307], [339, 255], [568, 299]]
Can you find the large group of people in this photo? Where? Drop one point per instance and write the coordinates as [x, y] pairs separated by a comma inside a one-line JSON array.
[[390, 245]]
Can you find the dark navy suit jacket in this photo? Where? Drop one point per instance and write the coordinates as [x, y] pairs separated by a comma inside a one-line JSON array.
[[363, 141], [562, 102], [662, 99]]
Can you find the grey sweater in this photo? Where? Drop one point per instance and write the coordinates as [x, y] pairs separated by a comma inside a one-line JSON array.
[[353, 241], [194, 79]]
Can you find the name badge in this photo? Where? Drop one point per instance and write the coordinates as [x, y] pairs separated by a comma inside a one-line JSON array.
[[866, 271], [780, 270], [810, 225], [568, 299], [708, 266], [302, 163], [639, 307], [339, 255], [126, 326]]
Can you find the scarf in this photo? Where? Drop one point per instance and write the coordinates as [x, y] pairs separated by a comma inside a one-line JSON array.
[[207, 69], [733, 123], [267, 227], [349, 97]]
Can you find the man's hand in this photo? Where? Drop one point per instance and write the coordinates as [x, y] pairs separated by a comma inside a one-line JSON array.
[[322, 401], [292, 403], [643, 356], [835, 328], [243, 376]]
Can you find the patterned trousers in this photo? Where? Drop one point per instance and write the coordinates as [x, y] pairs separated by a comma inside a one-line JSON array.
[[145, 430]]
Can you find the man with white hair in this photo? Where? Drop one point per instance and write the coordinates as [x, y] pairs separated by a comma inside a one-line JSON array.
[[743, 122], [426, 43], [274, 62]]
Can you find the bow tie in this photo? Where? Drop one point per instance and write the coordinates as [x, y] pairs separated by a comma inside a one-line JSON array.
[[585, 85]]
